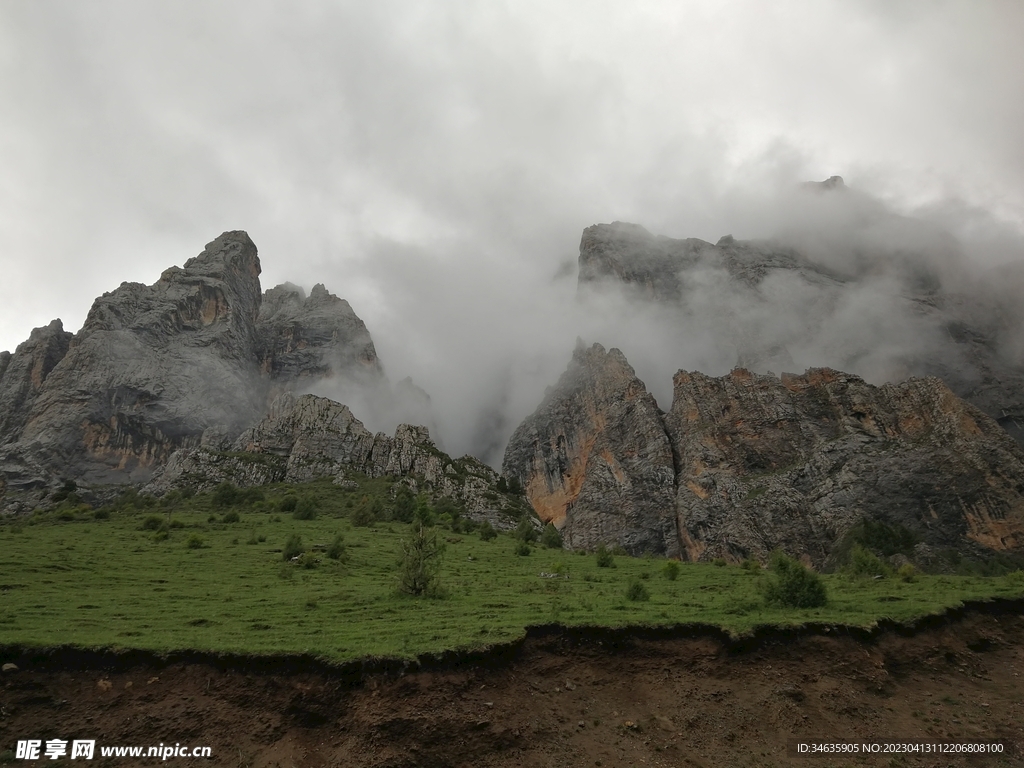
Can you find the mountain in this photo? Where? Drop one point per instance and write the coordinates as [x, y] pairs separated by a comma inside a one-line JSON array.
[[744, 463], [307, 437], [595, 459], [884, 311], [196, 357]]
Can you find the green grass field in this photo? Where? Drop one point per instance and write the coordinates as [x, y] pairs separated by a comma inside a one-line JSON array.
[[111, 583]]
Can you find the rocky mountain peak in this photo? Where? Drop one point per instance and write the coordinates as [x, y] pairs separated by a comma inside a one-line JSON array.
[[192, 359], [595, 460], [830, 184]]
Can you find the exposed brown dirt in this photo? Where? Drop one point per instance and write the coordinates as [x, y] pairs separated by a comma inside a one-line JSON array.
[[559, 698]]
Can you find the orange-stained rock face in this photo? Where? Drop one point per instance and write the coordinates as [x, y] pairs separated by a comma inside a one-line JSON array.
[[595, 460], [756, 463], [795, 462]]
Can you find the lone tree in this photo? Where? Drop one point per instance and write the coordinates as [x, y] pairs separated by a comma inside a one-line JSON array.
[[420, 562]]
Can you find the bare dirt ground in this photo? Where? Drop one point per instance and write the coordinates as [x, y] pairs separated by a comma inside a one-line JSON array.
[[557, 699]]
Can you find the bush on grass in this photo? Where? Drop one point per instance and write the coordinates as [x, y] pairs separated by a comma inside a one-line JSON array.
[[336, 551], [791, 585], [525, 531], [605, 559], [487, 531], [864, 563], [550, 537], [637, 592], [152, 522], [292, 547], [671, 570], [305, 509]]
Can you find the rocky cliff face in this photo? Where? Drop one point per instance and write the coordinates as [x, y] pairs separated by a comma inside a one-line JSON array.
[[795, 462], [302, 338], [745, 463], [192, 358], [308, 437], [772, 308], [595, 459]]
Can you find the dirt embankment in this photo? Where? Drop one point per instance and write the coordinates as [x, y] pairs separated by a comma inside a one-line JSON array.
[[558, 698]]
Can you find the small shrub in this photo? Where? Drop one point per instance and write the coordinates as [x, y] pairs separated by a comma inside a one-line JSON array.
[[162, 535], [305, 509], [404, 506], [605, 559], [66, 515], [907, 573], [288, 503], [884, 539], [522, 549], [231, 517], [363, 515], [195, 541], [177, 524], [252, 540], [550, 537], [719, 562], [211, 519], [261, 538], [101, 514], [292, 547], [525, 531], [637, 592], [69, 487], [307, 561], [336, 551], [671, 570], [752, 564], [792, 585], [152, 522], [863, 562], [487, 531], [224, 495]]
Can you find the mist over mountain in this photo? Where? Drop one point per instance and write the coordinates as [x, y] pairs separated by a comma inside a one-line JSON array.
[[811, 277]]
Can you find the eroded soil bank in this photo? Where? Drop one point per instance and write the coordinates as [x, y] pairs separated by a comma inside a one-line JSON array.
[[558, 698]]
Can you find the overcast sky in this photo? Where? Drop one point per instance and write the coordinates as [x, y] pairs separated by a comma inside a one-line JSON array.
[[435, 162]]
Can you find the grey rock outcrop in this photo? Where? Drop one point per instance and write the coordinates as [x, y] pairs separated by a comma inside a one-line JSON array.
[[595, 459], [22, 375], [312, 337], [795, 462], [308, 437], [191, 360], [746, 463]]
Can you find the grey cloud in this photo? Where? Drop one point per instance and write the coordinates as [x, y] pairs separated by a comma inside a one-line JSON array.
[[434, 164]]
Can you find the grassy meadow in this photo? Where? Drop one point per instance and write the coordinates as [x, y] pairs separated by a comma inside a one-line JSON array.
[[185, 575]]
